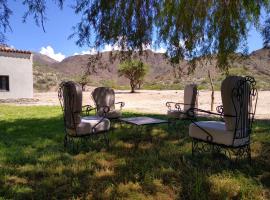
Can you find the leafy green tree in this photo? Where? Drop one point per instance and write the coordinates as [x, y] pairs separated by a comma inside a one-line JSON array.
[[187, 28], [83, 79], [135, 71]]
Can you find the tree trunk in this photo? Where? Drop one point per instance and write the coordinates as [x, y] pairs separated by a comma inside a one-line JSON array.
[[213, 92], [132, 85], [83, 87]]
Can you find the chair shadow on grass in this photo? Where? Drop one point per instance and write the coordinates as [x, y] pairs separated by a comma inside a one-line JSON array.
[[35, 165]]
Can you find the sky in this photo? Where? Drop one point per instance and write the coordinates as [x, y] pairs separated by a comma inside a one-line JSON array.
[[54, 41]]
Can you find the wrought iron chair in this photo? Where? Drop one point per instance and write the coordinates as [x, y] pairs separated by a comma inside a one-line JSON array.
[[178, 111], [104, 96], [231, 136], [76, 126]]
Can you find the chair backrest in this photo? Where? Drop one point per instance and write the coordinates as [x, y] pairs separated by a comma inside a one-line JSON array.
[[104, 96], [239, 99], [190, 96], [70, 97]]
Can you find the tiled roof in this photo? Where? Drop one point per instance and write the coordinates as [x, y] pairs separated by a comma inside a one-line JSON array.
[[10, 50]]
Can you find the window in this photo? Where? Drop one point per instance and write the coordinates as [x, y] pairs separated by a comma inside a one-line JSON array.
[[4, 83]]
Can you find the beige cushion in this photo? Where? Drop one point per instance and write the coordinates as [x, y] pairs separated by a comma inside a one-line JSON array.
[[87, 123], [112, 114], [190, 96], [176, 114], [72, 96], [233, 107], [104, 96], [217, 130]]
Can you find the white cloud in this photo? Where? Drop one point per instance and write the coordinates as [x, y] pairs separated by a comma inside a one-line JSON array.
[[49, 51], [91, 51], [146, 47], [116, 47], [94, 51], [159, 50], [109, 47]]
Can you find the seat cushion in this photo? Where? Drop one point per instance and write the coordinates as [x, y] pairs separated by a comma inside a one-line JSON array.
[[190, 96], [218, 131], [176, 114], [87, 123], [104, 96], [112, 114]]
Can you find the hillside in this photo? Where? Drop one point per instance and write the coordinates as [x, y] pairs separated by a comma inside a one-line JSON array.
[[45, 76], [107, 68], [48, 73], [43, 60]]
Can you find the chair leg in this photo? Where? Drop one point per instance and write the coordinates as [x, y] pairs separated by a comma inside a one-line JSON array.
[[172, 122], [169, 122]]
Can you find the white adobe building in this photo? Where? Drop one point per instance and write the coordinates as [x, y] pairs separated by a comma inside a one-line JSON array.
[[16, 73]]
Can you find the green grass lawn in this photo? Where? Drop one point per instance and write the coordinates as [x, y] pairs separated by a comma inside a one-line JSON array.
[[35, 165]]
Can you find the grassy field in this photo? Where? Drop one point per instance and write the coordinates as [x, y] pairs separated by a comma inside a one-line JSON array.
[[35, 165]]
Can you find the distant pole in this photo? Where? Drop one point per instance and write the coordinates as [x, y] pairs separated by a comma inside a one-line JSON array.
[[213, 92]]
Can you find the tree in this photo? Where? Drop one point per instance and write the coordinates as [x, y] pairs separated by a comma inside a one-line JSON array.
[[83, 79], [188, 29], [135, 71]]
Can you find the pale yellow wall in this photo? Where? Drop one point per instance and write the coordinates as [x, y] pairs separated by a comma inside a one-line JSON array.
[[20, 71]]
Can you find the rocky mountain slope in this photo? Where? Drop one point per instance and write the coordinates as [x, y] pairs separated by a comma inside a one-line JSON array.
[[43, 60], [48, 72]]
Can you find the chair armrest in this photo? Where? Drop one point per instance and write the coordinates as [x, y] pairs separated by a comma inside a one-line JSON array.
[[94, 130], [177, 105], [171, 104], [209, 137], [122, 104], [87, 109], [220, 113], [105, 110]]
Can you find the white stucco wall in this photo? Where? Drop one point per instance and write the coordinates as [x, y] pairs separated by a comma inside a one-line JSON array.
[[19, 68]]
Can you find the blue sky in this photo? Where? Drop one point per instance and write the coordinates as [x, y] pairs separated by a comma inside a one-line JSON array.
[[54, 42]]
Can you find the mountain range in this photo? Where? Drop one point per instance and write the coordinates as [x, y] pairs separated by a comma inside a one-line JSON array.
[[48, 73]]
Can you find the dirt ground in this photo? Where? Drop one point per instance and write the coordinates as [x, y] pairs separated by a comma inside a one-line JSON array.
[[153, 101]]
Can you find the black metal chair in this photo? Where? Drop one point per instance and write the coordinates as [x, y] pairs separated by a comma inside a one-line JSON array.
[[178, 111], [232, 135], [76, 126]]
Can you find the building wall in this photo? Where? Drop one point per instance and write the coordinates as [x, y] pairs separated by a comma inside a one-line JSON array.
[[19, 68]]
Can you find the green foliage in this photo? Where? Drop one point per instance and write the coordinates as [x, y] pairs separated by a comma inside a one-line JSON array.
[[135, 71], [44, 79], [109, 83], [163, 86], [186, 28], [35, 165], [83, 79]]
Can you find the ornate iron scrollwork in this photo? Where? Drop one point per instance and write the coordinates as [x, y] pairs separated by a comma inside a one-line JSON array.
[[178, 106], [233, 153]]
